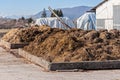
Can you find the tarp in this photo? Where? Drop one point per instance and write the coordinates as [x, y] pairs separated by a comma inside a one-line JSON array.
[[87, 21], [54, 23]]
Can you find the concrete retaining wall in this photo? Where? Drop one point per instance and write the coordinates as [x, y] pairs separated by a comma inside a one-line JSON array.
[[85, 65], [12, 45], [37, 60]]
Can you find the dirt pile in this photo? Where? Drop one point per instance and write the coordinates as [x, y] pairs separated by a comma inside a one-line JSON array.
[[10, 35], [57, 45], [23, 35]]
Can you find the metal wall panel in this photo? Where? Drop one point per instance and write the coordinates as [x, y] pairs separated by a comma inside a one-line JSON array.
[[100, 24], [116, 16]]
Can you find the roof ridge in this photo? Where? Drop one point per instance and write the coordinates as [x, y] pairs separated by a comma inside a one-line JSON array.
[[94, 8]]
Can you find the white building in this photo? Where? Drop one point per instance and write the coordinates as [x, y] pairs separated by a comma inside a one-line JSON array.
[[108, 14]]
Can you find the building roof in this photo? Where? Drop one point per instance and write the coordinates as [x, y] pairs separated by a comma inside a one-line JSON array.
[[94, 8]]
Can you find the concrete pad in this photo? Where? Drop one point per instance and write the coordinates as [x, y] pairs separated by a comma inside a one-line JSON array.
[[30, 71]]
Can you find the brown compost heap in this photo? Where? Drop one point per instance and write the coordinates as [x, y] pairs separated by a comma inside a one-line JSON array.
[[21, 35], [75, 45], [57, 45]]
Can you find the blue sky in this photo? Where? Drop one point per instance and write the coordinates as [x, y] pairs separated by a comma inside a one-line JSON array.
[[29, 7]]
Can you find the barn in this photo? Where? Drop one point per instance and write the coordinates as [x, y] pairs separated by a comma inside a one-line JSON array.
[[108, 14]]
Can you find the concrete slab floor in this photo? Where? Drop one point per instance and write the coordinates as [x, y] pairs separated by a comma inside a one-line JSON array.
[[14, 68]]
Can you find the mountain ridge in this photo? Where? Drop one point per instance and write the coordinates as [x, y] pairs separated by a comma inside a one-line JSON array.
[[72, 13]]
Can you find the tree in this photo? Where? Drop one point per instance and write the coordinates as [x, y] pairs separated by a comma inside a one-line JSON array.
[[22, 18], [30, 20], [52, 15], [58, 12], [43, 15]]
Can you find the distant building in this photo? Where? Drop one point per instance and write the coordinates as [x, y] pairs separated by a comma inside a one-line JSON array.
[[108, 14]]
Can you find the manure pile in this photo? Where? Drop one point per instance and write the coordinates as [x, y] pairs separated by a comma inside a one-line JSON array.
[[57, 45], [22, 35]]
